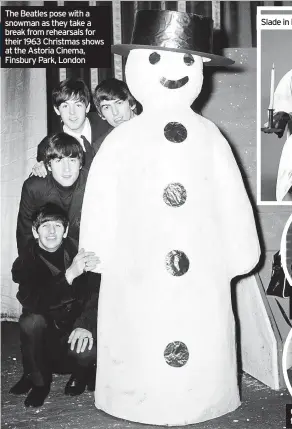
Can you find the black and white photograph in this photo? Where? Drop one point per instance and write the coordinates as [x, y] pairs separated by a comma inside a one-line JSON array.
[[142, 281], [276, 101]]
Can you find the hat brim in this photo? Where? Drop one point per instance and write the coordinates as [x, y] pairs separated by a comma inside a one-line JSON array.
[[215, 60]]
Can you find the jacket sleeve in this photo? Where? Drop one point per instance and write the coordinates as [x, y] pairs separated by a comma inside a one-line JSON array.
[[39, 291], [99, 140], [88, 317], [88, 157], [27, 207]]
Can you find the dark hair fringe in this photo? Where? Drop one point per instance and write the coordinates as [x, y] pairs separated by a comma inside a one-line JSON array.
[[49, 212], [112, 89], [71, 88], [63, 145]]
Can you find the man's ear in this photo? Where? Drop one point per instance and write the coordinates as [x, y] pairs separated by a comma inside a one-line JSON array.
[[88, 108], [57, 111], [34, 233], [66, 232], [133, 107], [49, 167]]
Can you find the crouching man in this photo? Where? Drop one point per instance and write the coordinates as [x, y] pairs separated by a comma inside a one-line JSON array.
[[58, 322]]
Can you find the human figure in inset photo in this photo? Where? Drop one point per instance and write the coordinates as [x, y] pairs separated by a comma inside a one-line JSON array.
[[283, 120], [280, 282], [286, 250], [276, 115]]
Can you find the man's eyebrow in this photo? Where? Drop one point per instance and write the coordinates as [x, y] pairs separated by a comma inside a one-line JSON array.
[[74, 100], [107, 102]]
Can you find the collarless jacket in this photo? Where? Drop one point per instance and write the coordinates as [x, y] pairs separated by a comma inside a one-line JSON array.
[[36, 192], [43, 288]]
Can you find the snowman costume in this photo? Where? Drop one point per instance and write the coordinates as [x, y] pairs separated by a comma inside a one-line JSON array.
[[283, 103], [166, 211]]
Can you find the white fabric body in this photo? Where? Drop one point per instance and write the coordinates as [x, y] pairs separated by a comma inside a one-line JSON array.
[[284, 179], [283, 103], [283, 94], [142, 306]]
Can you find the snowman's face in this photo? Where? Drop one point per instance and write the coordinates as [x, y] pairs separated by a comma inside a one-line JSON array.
[[163, 77]]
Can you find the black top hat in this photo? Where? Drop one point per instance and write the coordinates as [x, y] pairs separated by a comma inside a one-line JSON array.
[[173, 31]]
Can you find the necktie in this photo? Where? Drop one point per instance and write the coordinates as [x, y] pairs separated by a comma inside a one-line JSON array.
[[89, 152], [86, 143]]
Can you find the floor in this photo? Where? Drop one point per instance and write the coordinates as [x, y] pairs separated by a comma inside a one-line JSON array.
[[262, 408]]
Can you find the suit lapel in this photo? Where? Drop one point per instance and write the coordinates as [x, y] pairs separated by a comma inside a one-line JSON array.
[[77, 200]]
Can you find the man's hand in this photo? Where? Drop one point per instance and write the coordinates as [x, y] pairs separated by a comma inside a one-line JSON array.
[[39, 169], [280, 120], [83, 261], [81, 337]]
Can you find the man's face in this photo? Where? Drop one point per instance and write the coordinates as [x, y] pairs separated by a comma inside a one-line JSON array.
[[50, 235], [116, 111], [73, 114], [65, 170]]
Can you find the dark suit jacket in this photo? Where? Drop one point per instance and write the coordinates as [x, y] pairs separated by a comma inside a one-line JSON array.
[[43, 288], [97, 143], [36, 192], [98, 129], [98, 126]]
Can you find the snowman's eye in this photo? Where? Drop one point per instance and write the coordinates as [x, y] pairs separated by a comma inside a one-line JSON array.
[[189, 59], [154, 58]]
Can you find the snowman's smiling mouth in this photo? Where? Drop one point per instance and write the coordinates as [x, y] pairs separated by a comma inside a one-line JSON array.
[[174, 84]]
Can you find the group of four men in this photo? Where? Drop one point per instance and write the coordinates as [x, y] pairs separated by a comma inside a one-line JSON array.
[[57, 288]]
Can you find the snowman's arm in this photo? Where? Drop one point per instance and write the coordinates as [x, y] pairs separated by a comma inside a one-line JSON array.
[[97, 225], [235, 213]]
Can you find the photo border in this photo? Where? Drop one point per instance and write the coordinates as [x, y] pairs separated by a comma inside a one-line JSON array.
[[261, 202]]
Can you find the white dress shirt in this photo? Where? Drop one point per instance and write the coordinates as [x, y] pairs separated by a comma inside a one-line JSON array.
[[86, 132]]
